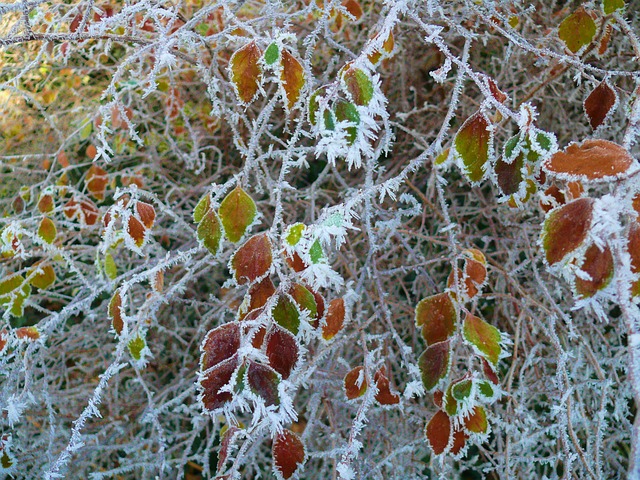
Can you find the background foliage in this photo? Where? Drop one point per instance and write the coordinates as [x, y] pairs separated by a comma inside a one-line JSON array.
[[371, 154]]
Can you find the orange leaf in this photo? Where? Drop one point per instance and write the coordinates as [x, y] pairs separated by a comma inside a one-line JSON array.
[[599, 265], [146, 213], [439, 432], [292, 78], [355, 383], [288, 453], [136, 231], [96, 181], [591, 160], [246, 73], [334, 320]]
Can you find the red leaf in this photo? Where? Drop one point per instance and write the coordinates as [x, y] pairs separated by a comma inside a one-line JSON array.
[[246, 73], [566, 228], [334, 320], [258, 295], [459, 441], [46, 204], [591, 160], [384, 395], [282, 351], [355, 383], [213, 380], [633, 247], [220, 344], [439, 432], [434, 364], [600, 103], [438, 316], [225, 444], [599, 265], [288, 453], [252, 260], [146, 213], [115, 304], [136, 230]]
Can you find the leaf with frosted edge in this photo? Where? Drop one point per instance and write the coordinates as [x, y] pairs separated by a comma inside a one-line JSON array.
[[565, 229], [294, 233], [472, 146], [314, 106], [209, 232], [47, 230], [237, 212], [263, 381], [355, 383], [486, 391], [490, 372], [227, 435], [600, 104], [484, 337], [201, 208], [30, 334], [220, 344], [271, 54], [115, 312], [438, 432], [384, 396], [633, 247], [334, 321], [288, 453], [46, 204], [292, 77], [459, 441], [610, 6], [252, 260], [577, 30], [476, 422], [146, 213], [434, 364], [319, 299], [212, 381], [438, 316], [359, 86], [512, 148], [136, 230], [450, 404], [387, 49], [598, 264], [44, 278], [135, 346], [305, 299], [282, 351], [96, 182], [316, 254], [593, 160], [246, 73]]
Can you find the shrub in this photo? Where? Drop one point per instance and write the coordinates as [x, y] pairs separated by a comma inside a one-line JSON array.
[[319, 239]]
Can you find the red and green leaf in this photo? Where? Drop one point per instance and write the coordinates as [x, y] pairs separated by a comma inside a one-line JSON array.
[[252, 261], [438, 316], [483, 337], [359, 85], [565, 229], [434, 364], [115, 312], [472, 146]]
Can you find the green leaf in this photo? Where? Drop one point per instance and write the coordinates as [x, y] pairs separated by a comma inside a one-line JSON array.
[[347, 111], [461, 390], [483, 337], [286, 314], [237, 211], [14, 290], [577, 30], [472, 144], [210, 232], [86, 130], [271, 54], [610, 6], [315, 252]]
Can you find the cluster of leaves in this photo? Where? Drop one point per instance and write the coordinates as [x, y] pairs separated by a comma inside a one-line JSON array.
[[244, 239]]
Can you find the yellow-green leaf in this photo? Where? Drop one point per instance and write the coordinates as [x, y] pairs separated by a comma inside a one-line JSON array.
[[610, 6], [210, 232], [237, 211], [110, 268], [484, 337], [201, 208], [271, 54], [135, 346], [47, 230], [577, 30], [44, 278]]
